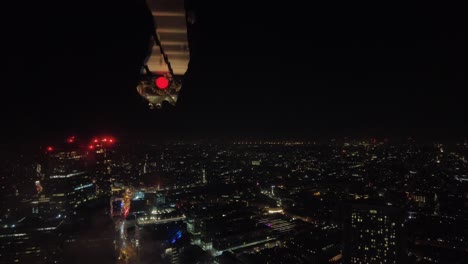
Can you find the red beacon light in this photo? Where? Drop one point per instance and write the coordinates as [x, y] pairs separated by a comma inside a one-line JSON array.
[[161, 82], [49, 148], [91, 147]]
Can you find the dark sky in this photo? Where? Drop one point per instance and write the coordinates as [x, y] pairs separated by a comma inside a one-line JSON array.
[[279, 69]]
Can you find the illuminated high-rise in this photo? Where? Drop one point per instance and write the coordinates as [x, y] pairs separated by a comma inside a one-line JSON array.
[[64, 158], [374, 234], [100, 151]]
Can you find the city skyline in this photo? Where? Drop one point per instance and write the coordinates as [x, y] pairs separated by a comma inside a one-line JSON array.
[[338, 201], [234, 132]]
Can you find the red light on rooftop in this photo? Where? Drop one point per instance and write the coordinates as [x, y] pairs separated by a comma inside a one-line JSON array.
[[111, 140], [91, 147], [95, 140], [162, 82], [50, 148], [104, 140]]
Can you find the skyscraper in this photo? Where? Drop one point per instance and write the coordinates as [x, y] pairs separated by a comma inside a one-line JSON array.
[[374, 234], [63, 158], [101, 151], [65, 181]]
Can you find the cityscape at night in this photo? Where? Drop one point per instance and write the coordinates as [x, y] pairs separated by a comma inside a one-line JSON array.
[[233, 132], [334, 201]]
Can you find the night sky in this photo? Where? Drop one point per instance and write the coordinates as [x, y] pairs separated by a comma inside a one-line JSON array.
[[256, 71]]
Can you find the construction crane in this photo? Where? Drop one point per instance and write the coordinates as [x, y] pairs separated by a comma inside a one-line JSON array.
[[164, 68]]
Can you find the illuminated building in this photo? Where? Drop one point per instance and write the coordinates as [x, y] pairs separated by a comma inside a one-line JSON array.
[[116, 205], [29, 240], [67, 178], [68, 191], [256, 163], [160, 200], [374, 234], [101, 151], [171, 255], [162, 242], [64, 158], [219, 229], [204, 181]]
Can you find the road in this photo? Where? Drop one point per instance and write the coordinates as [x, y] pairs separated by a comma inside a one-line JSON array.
[[126, 244]]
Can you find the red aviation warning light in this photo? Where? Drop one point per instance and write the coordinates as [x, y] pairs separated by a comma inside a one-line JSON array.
[[49, 148], [161, 82], [157, 89], [71, 139], [101, 142], [108, 140]]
